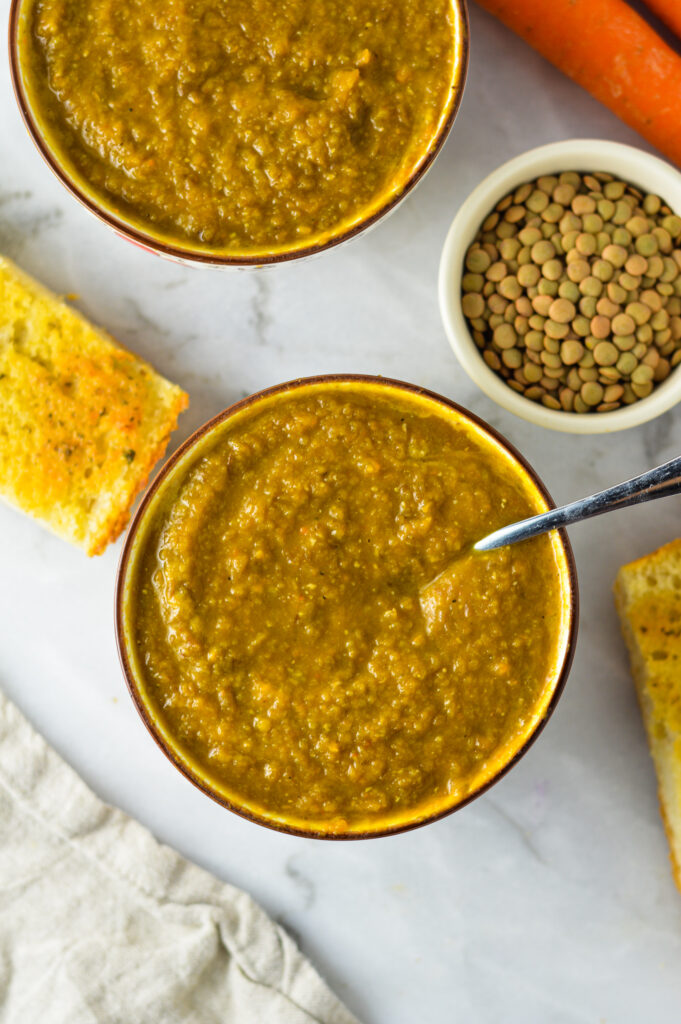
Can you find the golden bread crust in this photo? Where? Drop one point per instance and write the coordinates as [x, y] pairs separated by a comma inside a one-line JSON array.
[[82, 420], [648, 601]]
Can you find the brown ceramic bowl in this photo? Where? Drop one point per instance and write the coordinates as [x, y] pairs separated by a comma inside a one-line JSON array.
[[136, 233], [182, 458]]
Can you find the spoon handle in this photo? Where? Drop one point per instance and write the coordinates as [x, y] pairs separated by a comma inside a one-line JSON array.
[[656, 483]]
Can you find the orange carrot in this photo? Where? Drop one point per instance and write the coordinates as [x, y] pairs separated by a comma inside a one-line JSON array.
[[608, 49], [668, 11]]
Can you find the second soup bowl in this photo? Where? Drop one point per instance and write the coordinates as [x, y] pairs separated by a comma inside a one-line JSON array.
[[243, 134], [303, 627]]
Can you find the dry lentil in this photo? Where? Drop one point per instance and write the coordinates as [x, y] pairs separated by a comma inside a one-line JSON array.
[[595, 266]]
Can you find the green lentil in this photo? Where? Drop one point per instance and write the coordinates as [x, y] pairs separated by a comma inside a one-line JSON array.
[[614, 190], [553, 213], [603, 269], [496, 271], [591, 286], [616, 293], [623, 324], [532, 373], [529, 235], [556, 330], [472, 282], [621, 236], [477, 260], [537, 201], [586, 244], [512, 358], [591, 393], [659, 320], [647, 245], [672, 224], [615, 254], [569, 290], [492, 359], [473, 305], [600, 326], [651, 299], [552, 270], [622, 212], [592, 223], [569, 222], [629, 282], [573, 283], [571, 352], [562, 311], [577, 270], [510, 288], [626, 363], [636, 265], [581, 326], [605, 353], [528, 275], [587, 306], [605, 307], [522, 192], [583, 204], [542, 252], [505, 230], [637, 226], [602, 239], [670, 271], [664, 239]]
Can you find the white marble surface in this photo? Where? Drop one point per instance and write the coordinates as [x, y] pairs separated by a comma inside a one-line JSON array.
[[548, 900]]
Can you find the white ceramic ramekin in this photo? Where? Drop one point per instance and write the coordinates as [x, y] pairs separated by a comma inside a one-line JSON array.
[[648, 173]]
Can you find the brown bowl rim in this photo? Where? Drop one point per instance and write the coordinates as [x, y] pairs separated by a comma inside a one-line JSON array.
[[176, 252], [292, 385]]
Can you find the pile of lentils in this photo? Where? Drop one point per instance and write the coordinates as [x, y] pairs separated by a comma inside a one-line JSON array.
[[572, 288]]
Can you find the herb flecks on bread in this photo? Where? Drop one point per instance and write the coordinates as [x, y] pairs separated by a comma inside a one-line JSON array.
[[82, 421], [648, 599]]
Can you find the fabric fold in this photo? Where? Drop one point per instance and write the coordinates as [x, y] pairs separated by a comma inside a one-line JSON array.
[[100, 923]]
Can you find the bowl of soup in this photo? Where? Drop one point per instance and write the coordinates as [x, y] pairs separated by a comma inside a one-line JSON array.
[[240, 133], [304, 627]]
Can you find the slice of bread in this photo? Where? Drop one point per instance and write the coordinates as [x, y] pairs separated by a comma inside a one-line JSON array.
[[648, 600], [82, 421]]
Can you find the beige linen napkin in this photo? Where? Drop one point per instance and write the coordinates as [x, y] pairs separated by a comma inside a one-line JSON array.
[[101, 924]]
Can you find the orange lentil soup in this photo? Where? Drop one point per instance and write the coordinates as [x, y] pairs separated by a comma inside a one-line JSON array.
[[241, 126], [273, 617]]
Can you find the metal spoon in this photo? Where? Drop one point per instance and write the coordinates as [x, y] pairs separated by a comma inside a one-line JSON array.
[[435, 596], [656, 483]]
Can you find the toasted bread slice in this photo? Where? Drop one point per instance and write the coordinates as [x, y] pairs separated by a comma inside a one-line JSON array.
[[82, 421], [648, 599]]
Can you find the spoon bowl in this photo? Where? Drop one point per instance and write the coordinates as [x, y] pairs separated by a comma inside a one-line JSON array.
[[437, 597], [659, 482]]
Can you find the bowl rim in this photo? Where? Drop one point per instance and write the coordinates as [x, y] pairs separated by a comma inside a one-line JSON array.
[[551, 158], [202, 784], [176, 251]]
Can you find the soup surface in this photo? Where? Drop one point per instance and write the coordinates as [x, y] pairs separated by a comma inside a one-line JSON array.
[[274, 619], [241, 125]]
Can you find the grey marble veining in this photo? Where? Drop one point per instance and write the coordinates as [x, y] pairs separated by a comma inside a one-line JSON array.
[[548, 901]]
